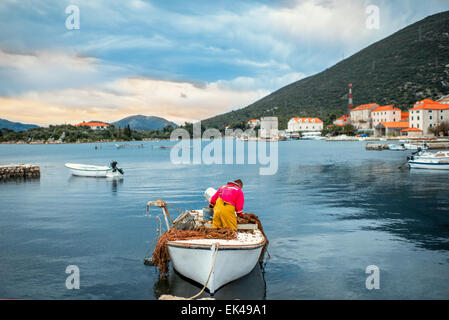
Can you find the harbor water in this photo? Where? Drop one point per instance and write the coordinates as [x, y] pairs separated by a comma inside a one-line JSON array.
[[331, 210]]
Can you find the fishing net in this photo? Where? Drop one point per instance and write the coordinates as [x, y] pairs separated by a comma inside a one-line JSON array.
[[160, 257]]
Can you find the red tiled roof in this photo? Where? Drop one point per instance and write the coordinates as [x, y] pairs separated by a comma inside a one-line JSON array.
[[428, 104], [394, 124], [307, 120], [92, 124], [390, 107], [365, 106], [411, 129], [404, 115], [344, 118]]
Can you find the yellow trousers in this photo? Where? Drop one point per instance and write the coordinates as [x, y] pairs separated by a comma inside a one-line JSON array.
[[224, 215]]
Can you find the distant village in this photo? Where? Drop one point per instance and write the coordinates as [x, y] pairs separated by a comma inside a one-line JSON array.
[[374, 120]]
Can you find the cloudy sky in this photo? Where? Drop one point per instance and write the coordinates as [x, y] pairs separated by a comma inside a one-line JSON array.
[[181, 60]]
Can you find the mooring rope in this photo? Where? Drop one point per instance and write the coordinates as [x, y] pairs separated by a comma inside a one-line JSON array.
[[210, 273], [157, 236]]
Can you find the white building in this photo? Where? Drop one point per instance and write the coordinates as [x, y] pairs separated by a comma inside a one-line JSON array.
[[304, 125], [427, 114], [361, 116], [94, 125], [385, 114], [269, 128]]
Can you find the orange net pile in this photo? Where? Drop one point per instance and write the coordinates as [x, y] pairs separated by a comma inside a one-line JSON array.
[[160, 257]]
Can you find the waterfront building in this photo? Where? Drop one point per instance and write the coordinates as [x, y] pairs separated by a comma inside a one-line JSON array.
[[342, 121], [385, 114], [93, 125], [411, 132], [253, 123], [361, 116], [269, 128], [304, 125], [390, 128], [427, 114]]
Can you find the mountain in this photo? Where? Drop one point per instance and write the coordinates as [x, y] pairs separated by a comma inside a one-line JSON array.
[[410, 65], [145, 123], [15, 126]]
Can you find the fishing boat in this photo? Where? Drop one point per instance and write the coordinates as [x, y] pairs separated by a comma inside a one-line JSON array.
[[86, 170], [214, 263], [426, 160]]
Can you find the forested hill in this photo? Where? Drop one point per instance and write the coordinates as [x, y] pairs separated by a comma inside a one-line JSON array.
[[410, 65]]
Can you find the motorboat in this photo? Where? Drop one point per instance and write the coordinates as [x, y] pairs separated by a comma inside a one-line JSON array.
[[413, 146], [86, 170], [214, 263], [397, 147], [427, 160]]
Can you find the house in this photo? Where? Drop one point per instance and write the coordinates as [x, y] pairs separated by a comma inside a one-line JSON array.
[[253, 123], [361, 116], [304, 125], [385, 114], [411, 132], [427, 114], [390, 128], [93, 125], [342, 121]]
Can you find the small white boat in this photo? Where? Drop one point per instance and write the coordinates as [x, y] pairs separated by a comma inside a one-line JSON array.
[[214, 262], [412, 146], [426, 160], [396, 147], [85, 170]]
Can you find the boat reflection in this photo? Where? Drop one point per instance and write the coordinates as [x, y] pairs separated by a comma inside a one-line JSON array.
[[250, 287]]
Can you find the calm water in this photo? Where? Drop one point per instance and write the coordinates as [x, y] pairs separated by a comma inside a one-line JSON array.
[[331, 210]]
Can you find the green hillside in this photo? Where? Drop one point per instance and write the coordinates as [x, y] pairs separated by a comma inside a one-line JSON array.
[[410, 65]]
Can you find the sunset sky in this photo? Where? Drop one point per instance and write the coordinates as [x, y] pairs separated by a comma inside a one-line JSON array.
[[181, 60]]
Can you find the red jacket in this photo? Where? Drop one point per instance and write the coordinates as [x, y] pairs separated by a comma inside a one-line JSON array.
[[231, 194]]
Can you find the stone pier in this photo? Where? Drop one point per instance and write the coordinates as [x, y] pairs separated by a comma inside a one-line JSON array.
[[14, 171]]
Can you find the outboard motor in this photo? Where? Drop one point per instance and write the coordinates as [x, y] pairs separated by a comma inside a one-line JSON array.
[[115, 169]]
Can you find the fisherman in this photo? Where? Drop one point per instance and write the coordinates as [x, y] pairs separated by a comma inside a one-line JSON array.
[[227, 202]]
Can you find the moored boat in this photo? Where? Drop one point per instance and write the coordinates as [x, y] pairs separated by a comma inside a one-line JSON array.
[[86, 170], [212, 262], [427, 160], [396, 147]]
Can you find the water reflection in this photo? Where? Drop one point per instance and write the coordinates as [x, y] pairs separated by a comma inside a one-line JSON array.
[[411, 204], [250, 287]]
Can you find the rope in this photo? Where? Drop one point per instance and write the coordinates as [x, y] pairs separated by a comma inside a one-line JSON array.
[[157, 236], [210, 273]]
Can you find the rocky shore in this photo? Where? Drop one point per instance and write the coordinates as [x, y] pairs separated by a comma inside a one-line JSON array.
[[14, 171]]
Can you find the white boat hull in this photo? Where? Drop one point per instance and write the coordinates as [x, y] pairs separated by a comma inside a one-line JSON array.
[[92, 171], [231, 262], [428, 165]]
